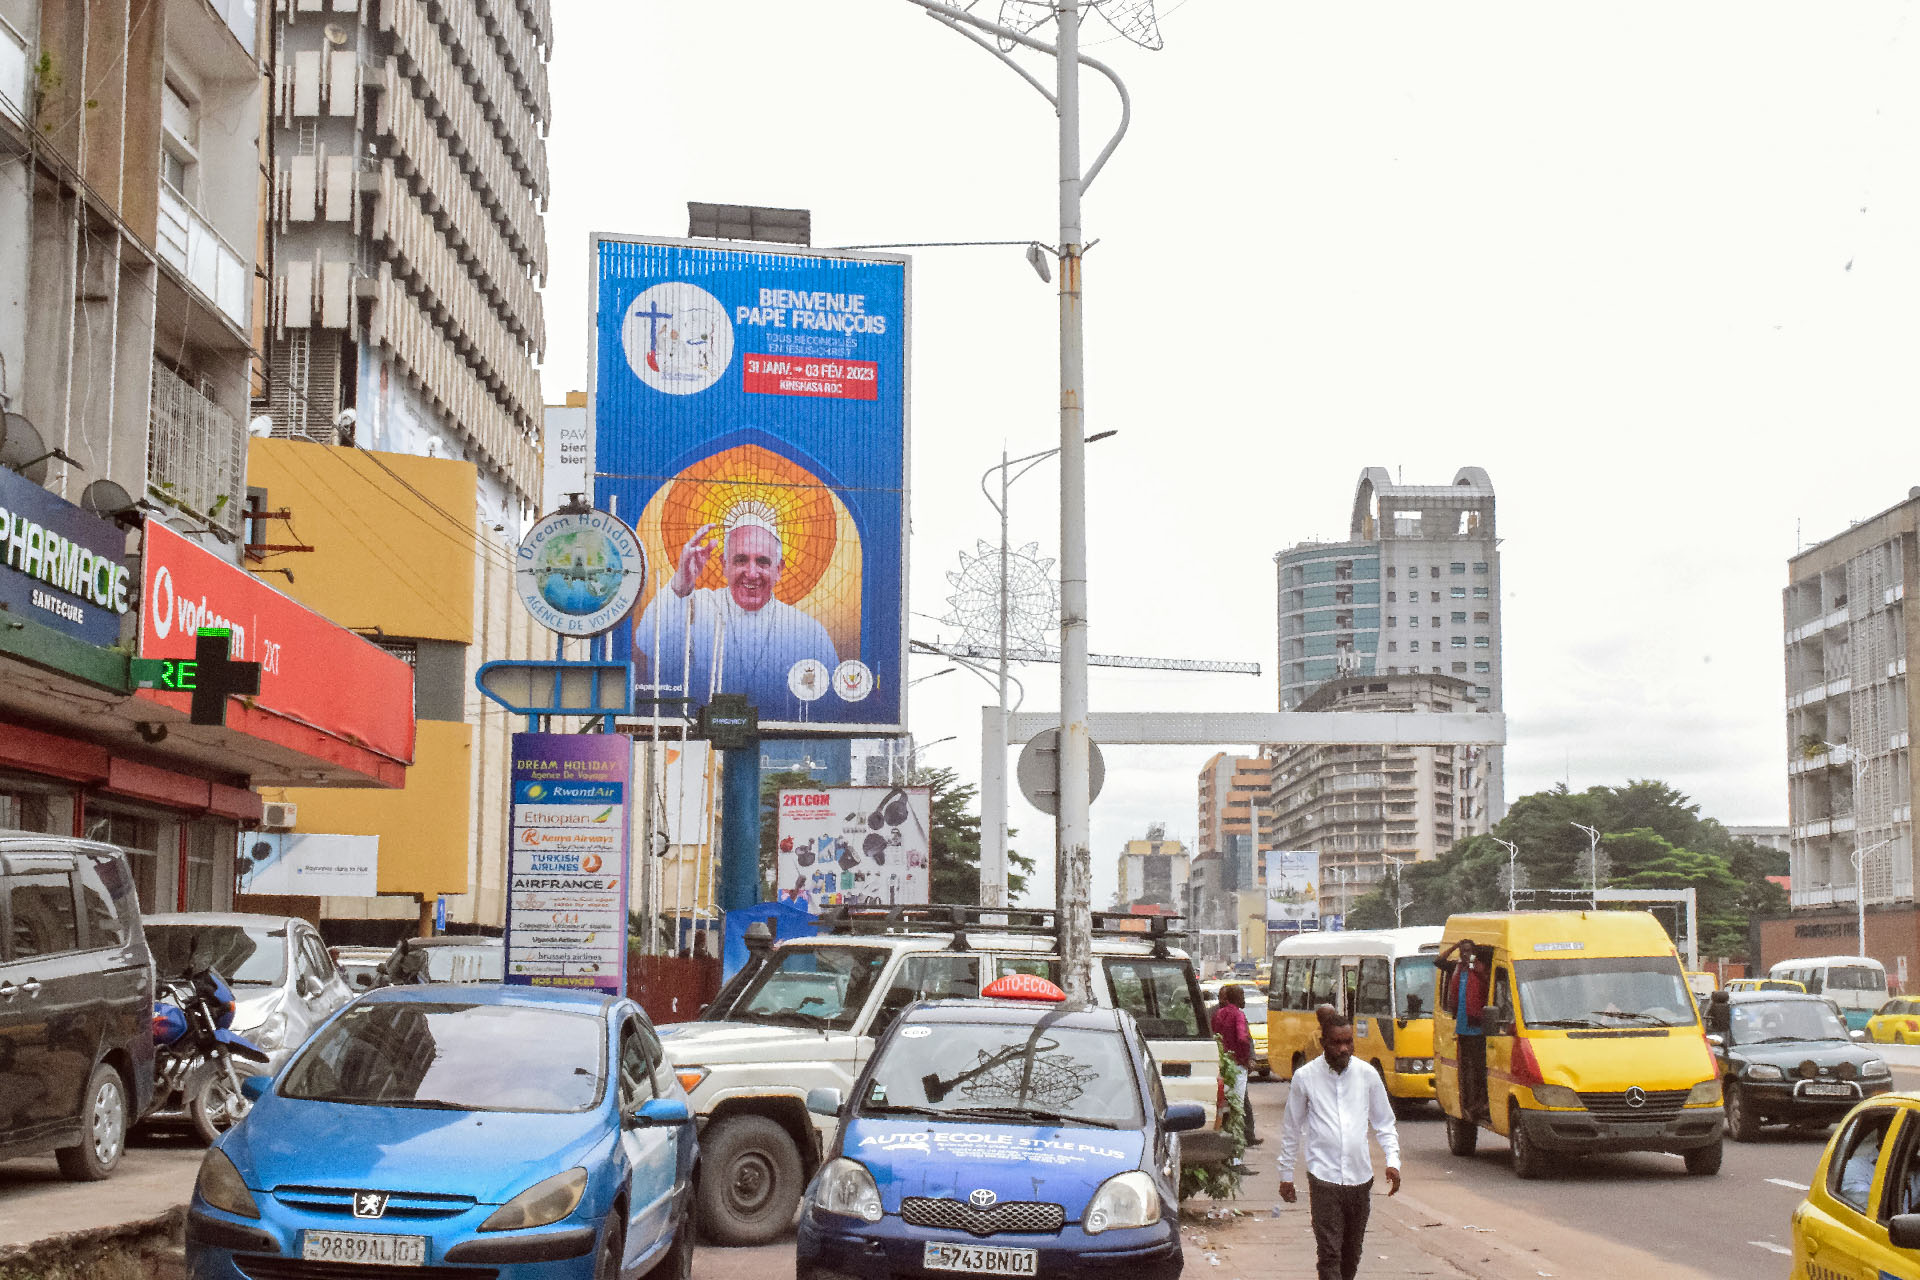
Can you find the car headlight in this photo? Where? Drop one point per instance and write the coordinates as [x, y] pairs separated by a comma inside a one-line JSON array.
[[1705, 1094], [221, 1186], [1124, 1200], [1556, 1095], [271, 1034], [1413, 1066], [846, 1187], [1875, 1068], [690, 1077], [544, 1202], [1764, 1071]]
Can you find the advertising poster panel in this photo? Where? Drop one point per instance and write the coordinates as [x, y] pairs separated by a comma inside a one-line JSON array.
[[567, 861], [312, 866], [1293, 890], [748, 419], [858, 846]]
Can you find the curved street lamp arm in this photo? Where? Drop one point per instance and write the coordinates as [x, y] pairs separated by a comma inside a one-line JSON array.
[[997, 52], [955, 17]]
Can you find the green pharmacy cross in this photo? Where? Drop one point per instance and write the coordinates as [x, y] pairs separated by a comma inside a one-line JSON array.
[[211, 675]]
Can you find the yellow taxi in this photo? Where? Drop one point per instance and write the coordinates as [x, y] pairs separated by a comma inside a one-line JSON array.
[[1895, 1022], [1764, 984], [1859, 1217], [1257, 1029]]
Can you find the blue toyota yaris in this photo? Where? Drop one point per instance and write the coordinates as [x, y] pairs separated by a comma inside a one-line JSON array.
[[524, 1132], [1004, 1137]]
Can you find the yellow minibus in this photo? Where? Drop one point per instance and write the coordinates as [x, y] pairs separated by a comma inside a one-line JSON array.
[[1382, 979]]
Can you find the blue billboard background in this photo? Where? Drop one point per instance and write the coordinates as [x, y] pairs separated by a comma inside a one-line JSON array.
[[749, 404]]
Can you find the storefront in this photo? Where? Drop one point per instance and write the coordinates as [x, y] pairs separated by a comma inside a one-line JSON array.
[[84, 753]]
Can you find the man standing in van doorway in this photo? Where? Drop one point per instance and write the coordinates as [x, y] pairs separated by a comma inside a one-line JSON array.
[[1331, 1104], [1466, 997]]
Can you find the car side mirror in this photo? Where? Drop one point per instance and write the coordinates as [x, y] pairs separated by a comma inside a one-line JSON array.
[[823, 1102], [254, 1088], [1903, 1231], [1179, 1117], [1717, 1040], [661, 1112], [1857, 1034], [310, 986]]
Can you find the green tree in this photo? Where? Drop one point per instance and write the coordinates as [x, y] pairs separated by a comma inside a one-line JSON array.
[[954, 875]]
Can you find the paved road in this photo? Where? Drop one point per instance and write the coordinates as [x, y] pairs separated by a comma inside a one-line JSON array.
[[1623, 1211], [155, 1174]]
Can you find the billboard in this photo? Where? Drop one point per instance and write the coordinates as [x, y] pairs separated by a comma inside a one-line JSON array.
[[567, 861], [311, 866], [854, 846], [747, 414], [1293, 890]]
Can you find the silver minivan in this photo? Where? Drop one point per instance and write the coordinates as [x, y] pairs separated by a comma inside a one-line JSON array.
[[284, 982]]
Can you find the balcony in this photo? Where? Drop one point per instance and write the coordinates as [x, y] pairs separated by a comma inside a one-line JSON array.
[[210, 264], [13, 74], [196, 453]]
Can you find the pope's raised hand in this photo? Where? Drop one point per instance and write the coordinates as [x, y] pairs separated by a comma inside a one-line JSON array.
[[693, 559]]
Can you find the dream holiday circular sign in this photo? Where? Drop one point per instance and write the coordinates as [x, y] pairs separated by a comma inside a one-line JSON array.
[[579, 573]]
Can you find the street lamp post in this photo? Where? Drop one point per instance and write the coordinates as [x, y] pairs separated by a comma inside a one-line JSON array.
[[1859, 859], [1399, 869], [1593, 858], [993, 850], [1513, 869]]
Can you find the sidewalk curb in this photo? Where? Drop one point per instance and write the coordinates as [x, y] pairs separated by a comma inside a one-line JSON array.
[[151, 1240], [1477, 1251]]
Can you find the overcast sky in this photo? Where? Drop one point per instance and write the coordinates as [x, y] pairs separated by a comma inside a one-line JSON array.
[[1654, 267]]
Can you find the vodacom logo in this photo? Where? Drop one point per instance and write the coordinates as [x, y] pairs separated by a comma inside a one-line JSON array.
[[161, 600]]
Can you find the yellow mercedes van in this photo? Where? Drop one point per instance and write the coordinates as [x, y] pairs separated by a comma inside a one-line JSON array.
[[1592, 1042]]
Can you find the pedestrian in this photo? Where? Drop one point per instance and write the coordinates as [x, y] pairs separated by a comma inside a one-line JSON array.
[[1331, 1104], [1230, 1024]]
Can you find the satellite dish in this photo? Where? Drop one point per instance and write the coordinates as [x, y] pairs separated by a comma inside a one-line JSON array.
[[105, 498], [336, 35], [22, 449]]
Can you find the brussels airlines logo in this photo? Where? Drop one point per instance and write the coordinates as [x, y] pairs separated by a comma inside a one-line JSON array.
[[677, 338]]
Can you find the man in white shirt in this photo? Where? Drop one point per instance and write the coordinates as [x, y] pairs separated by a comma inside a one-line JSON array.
[[1331, 1104]]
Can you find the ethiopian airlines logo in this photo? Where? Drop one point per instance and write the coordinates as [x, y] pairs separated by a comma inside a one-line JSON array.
[[678, 338]]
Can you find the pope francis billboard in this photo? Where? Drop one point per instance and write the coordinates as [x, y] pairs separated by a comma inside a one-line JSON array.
[[748, 419]]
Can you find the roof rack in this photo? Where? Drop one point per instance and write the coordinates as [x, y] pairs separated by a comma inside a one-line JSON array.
[[957, 918]]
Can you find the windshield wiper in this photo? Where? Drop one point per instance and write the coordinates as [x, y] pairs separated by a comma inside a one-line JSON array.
[[1787, 1039], [1628, 1013], [424, 1103], [891, 1109], [1537, 1023], [1028, 1113], [788, 1017]]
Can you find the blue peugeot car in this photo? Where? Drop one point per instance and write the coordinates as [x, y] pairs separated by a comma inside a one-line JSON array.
[[516, 1131], [1003, 1137]]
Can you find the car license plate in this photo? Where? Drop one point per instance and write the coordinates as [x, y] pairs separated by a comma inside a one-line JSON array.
[[362, 1246], [980, 1261], [1820, 1089]]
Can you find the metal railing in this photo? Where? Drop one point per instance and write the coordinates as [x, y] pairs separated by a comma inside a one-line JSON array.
[[196, 453]]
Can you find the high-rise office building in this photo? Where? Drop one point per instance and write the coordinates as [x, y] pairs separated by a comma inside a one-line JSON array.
[[1415, 589], [1850, 625], [1362, 807], [1233, 798]]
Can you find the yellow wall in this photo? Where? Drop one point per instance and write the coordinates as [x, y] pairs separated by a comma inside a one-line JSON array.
[[422, 827], [381, 559], [1250, 909]]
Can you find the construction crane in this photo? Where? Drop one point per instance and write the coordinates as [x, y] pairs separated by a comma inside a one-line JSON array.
[[988, 653]]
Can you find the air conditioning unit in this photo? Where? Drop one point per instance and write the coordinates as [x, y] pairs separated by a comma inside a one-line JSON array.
[[278, 816]]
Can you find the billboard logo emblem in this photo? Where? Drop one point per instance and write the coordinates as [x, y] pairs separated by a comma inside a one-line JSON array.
[[677, 337]]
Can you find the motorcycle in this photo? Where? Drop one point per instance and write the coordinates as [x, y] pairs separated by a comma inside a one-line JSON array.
[[194, 1050]]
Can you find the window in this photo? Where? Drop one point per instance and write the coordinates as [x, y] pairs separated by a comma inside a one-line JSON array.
[[1502, 997], [1393, 620], [1433, 597], [1482, 668], [1436, 619], [1481, 619], [44, 921], [1326, 981], [1393, 646], [1413, 983], [1392, 596], [1856, 1155], [1459, 642], [1479, 593], [1414, 647], [141, 839], [1299, 971], [1392, 571], [1374, 998], [1481, 691], [1481, 642], [1480, 566], [928, 977], [179, 140], [1459, 618], [1459, 668], [1459, 593], [1434, 571], [636, 1079], [101, 883], [1160, 996], [1414, 621], [1458, 566]]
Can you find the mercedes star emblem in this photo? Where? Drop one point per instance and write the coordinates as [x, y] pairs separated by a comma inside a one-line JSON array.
[[982, 1198], [1636, 1096], [369, 1204]]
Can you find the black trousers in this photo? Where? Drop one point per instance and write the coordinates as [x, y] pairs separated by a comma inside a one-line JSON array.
[[1339, 1225], [1473, 1074]]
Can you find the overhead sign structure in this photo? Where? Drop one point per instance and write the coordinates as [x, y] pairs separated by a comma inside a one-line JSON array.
[[1293, 890], [567, 861], [579, 572], [306, 865], [748, 415], [60, 566], [855, 846]]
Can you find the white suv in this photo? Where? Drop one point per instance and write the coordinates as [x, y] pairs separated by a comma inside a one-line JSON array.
[[806, 1014]]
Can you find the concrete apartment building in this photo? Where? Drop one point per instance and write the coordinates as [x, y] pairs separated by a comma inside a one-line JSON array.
[[406, 254], [1360, 807], [1849, 636], [1415, 589], [1154, 872], [1233, 794]]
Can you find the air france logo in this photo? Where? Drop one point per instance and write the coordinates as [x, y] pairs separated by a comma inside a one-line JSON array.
[[678, 338]]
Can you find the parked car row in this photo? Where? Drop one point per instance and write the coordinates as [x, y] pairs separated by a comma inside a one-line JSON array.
[[80, 972]]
